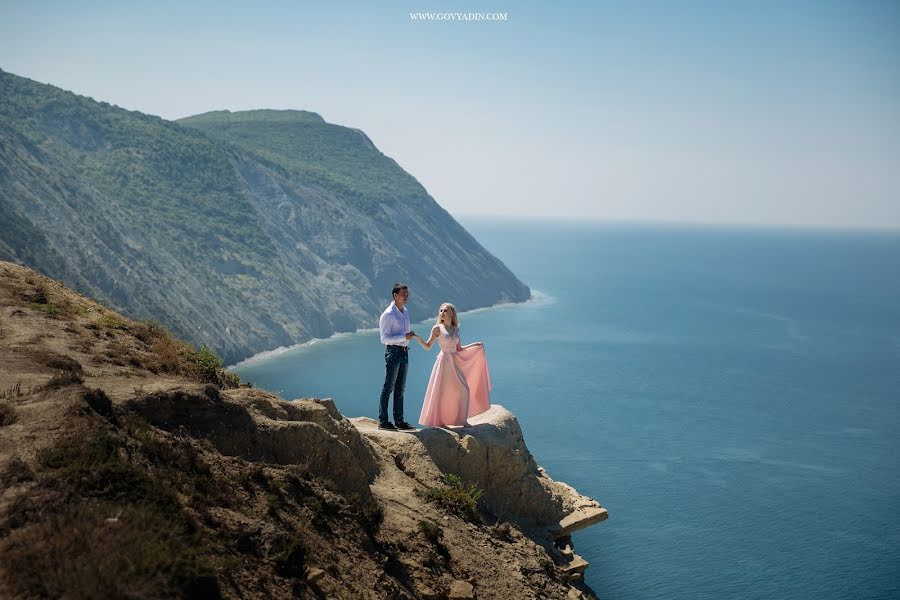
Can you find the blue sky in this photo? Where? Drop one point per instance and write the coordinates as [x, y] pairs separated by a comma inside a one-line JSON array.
[[739, 112]]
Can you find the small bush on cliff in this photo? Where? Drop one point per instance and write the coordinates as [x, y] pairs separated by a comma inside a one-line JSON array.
[[204, 363], [8, 414], [292, 561], [432, 532], [63, 379], [37, 295], [456, 497]]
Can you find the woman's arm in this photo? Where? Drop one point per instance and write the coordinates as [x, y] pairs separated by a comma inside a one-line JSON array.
[[435, 332], [467, 346]]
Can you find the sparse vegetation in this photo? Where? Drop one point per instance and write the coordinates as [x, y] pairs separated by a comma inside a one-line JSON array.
[[63, 379], [160, 352], [38, 294], [100, 403], [112, 321], [374, 513], [51, 310], [81, 451], [502, 531], [147, 331], [433, 533], [16, 471], [291, 562], [178, 462], [8, 414], [12, 392], [87, 552], [204, 363], [39, 299], [456, 497], [110, 530]]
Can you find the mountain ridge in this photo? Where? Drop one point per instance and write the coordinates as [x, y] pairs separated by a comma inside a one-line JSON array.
[[241, 238]]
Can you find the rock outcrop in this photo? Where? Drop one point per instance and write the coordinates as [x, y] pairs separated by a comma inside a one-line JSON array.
[[491, 454]]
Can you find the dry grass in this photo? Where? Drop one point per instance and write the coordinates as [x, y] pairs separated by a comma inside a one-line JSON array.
[[13, 391], [8, 414], [100, 526], [108, 551], [62, 379], [167, 354], [41, 299]]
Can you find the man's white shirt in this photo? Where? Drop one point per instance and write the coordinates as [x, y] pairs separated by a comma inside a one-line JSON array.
[[394, 325]]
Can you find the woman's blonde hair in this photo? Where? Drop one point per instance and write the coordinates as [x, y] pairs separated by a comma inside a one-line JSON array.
[[453, 320]]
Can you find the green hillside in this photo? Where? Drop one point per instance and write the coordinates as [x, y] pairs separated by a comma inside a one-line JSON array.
[[336, 157]]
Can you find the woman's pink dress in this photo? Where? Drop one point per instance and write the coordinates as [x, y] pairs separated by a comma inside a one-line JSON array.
[[460, 384]]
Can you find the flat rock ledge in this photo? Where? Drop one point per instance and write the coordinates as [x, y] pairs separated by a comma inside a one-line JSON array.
[[492, 454]]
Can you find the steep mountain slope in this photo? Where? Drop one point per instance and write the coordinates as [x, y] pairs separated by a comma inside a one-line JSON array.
[[242, 232]]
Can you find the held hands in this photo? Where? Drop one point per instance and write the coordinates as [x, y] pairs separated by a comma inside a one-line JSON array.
[[411, 335]]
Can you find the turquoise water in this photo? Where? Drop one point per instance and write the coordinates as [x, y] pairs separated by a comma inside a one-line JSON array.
[[730, 395]]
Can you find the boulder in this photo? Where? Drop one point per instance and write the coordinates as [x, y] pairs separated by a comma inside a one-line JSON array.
[[461, 590]]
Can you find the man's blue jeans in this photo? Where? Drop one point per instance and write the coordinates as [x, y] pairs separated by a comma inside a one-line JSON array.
[[396, 363]]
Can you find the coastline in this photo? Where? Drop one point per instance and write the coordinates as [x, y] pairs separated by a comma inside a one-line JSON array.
[[537, 298]]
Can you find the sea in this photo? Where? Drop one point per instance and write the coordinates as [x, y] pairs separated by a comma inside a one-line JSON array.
[[730, 394]]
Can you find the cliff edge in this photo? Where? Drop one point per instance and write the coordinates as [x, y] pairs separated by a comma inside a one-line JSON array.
[[132, 465]]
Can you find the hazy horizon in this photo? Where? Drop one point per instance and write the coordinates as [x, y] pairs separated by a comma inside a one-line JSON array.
[[743, 114]]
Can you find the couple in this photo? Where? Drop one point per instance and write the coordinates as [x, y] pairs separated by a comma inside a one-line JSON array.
[[460, 383]]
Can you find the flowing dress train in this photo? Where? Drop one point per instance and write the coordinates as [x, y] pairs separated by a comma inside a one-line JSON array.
[[460, 384]]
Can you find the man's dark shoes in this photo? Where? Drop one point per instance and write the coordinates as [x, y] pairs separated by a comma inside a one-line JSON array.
[[404, 425], [387, 425]]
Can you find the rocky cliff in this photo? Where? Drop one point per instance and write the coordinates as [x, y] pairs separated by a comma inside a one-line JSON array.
[[131, 465], [240, 231]]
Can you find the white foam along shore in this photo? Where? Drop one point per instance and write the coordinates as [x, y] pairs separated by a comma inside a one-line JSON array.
[[537, 298]]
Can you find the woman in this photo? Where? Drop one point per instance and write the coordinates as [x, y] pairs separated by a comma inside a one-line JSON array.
[[460, 383]]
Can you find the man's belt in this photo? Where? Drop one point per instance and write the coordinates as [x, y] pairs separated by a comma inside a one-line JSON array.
[[398, 346]]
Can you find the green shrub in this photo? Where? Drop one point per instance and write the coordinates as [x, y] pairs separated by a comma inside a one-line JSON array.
[[207, 367], [456, 497]]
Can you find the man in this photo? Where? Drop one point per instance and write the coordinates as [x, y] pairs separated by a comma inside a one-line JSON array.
[[395, 335]]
